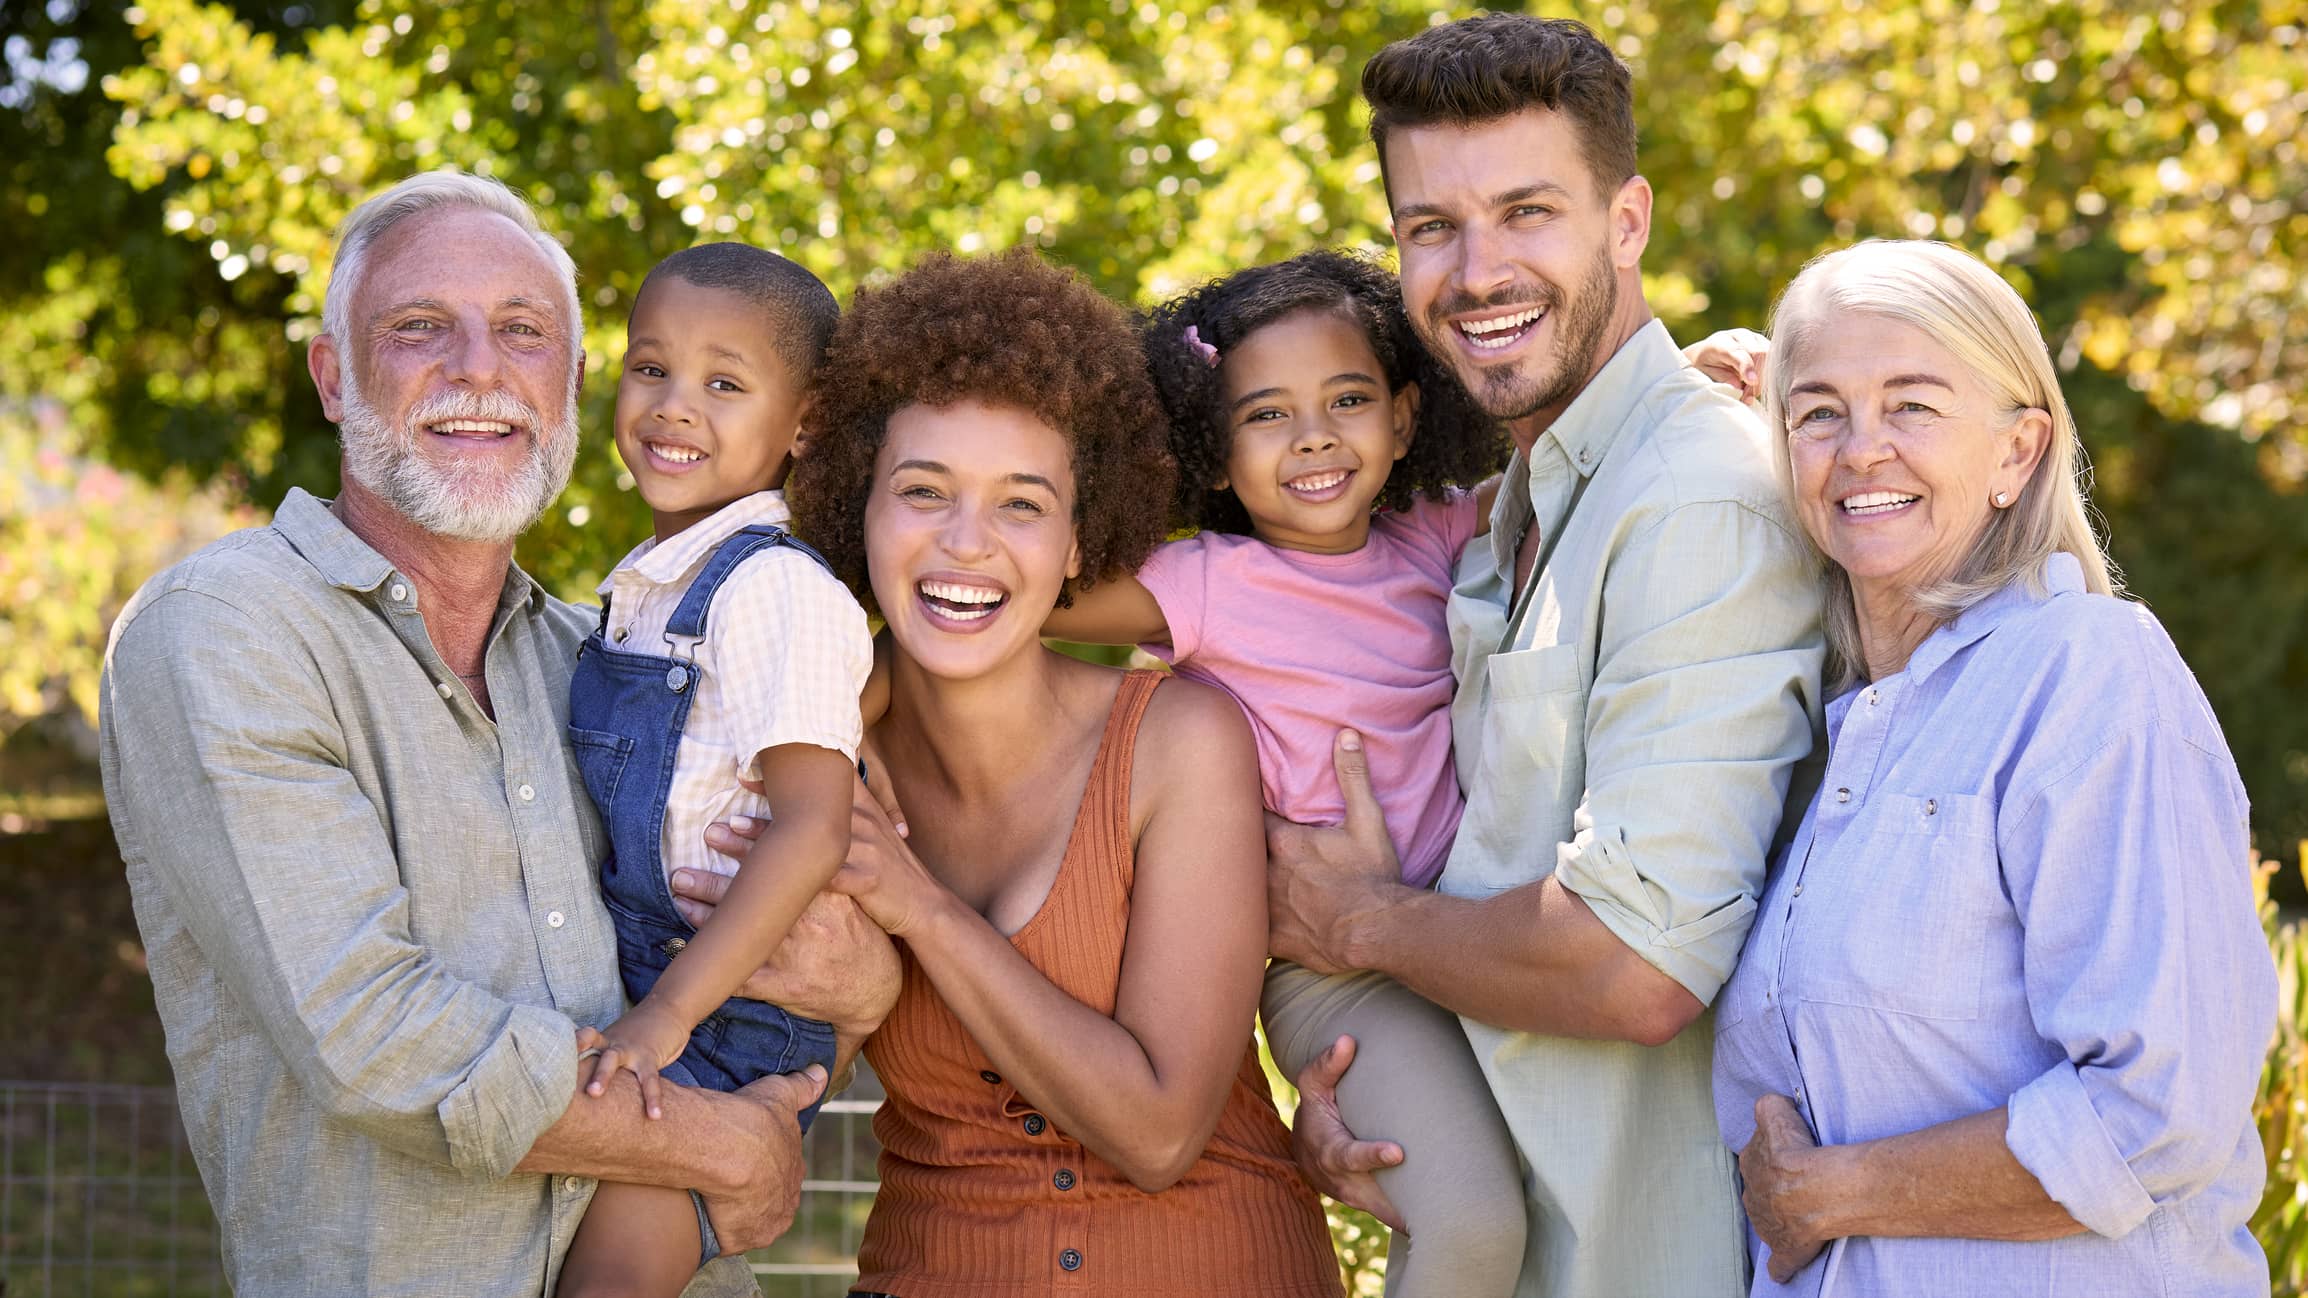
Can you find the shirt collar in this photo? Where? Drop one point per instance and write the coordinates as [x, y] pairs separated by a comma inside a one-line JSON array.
[[347, 562], [664, 563], [1591, 423], [2061, 574]]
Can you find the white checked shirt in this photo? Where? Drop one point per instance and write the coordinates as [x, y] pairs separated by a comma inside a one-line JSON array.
[[786, 651]]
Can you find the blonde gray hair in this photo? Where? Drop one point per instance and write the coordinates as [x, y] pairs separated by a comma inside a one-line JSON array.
[[426, 192], [1966, 308]]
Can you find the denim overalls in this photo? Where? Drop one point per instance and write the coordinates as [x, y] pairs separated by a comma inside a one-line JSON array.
[[626, 715]]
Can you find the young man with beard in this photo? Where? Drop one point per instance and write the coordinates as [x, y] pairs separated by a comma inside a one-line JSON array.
[[1638, 651], [334, 751]]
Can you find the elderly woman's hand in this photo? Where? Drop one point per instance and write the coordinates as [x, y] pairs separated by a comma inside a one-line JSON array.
[[1778, 1166]]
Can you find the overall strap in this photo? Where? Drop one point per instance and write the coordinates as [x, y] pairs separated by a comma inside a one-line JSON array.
[[688, 619]]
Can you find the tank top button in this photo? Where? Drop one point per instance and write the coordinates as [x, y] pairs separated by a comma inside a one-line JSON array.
[[1034, 1124], [1071, 1259]]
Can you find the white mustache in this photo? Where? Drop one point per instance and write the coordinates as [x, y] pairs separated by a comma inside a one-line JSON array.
[[495, 405]]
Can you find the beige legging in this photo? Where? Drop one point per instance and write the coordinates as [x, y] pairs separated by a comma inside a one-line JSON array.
[[1414, 1082]]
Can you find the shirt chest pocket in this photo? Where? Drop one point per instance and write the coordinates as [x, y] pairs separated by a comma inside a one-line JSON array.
[[1529, 773], [1903, 915]]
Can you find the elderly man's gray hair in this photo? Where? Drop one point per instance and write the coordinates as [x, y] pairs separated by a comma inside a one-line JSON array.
[[426, 192]]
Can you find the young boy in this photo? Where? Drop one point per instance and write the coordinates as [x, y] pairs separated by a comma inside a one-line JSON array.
[[726, 649]]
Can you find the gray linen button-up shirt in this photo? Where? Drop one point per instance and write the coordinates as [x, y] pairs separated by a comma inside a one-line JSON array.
[[370, 912], [1631, 724]]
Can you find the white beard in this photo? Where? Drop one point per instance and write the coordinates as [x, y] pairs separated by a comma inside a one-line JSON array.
[[463, 500]]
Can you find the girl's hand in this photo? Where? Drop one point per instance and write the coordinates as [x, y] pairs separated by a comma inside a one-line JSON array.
[[1734, 357], [645, 1040], [885, 878]]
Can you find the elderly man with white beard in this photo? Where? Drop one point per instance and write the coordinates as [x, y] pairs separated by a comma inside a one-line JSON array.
[[363, 864]]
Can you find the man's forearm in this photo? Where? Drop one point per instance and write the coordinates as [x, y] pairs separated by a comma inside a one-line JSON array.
[[700, 1143], [1533, 959]]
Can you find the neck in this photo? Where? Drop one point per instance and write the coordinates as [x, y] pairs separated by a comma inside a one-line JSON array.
[[1890, 628], [971, 732], [1628, 317], [458, 582]]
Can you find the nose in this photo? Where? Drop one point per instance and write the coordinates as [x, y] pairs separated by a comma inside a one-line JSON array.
[[1866, 442], [475, 358], [1483, 267], [1315, 435], [674, 405], [966, 534]]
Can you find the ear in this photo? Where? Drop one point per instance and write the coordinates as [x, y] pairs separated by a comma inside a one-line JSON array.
[[325, 363], [1224, 482], [1074, 559], [1630, 223], [2022, 444], [1405, 418]]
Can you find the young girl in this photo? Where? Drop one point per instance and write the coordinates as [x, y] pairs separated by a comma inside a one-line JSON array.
[[1318, 447]]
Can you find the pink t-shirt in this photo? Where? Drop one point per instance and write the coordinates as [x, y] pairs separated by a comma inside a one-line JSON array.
[[1307, 643]]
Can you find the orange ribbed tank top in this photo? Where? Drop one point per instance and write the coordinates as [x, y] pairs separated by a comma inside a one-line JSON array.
[[982, 1196]]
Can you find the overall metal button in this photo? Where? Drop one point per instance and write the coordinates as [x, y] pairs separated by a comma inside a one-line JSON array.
[[677, 678], [675, 945]]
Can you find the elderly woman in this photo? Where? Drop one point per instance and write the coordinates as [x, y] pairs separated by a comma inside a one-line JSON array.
[[1998, 1022], [1074, 1098]]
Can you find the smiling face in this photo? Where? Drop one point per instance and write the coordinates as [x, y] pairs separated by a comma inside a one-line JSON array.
[[1513, 265], [1312, 430], [457, 396], [706, 407], [969, 533], [1898, 452]]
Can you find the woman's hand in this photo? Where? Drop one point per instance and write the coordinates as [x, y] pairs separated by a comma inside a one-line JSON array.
[[1734, 357], [1778, 1167], [888, 882]]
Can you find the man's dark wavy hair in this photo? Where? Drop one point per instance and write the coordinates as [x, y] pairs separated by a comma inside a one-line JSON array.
[[1454, 444], [1494, 65]]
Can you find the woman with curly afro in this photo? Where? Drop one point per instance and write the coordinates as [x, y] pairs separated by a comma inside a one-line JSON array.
[[1074, 1098]]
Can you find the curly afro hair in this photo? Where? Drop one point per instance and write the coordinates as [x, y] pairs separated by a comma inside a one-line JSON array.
[[1454, 444], [1009, 330]]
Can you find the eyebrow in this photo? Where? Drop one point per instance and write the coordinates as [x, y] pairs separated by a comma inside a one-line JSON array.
[[516, 302], [932, 466], [1824, 388], [1349, 376], [1519, 194]]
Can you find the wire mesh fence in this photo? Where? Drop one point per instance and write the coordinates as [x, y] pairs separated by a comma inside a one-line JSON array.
[[99, 1198]]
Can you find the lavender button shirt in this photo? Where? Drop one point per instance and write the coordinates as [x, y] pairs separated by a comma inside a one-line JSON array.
[[2024, 883]]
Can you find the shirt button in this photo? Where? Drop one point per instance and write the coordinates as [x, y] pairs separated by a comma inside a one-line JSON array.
[[527, 794], [1071, 1259], [1799, 890], [621, 633], [1064, 1180], [442, 688], [1843, 795], [572, 1183], [399, 591], [1874, 697], [989, 1077], [1034, 1124], [553, 919]]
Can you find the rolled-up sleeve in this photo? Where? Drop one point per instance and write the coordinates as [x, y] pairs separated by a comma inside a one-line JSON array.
[[231, 763], [2145, 963], [1703, 703]]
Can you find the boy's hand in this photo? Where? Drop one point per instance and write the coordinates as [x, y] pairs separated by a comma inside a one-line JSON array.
[[645, 1040], [1734, 357]]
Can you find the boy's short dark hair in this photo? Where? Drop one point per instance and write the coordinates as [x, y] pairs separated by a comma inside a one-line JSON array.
[[801, 310], [1494, 65]]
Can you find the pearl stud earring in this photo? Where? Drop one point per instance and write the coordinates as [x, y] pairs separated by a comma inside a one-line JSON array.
[[1999, 499]]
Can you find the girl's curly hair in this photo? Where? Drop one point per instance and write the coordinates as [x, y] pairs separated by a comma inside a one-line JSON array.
[[1454, 444], [1009, 330]]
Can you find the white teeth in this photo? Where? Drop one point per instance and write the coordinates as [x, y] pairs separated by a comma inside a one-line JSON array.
[[677, 454], [1508, 328], [1317, 481], [954, 594], [1876, 502], [489, 427]]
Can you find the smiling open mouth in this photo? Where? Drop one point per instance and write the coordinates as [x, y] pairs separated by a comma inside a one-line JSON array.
[[1500, 331], [961, 603], [674, 452], [1319, 485], [472, 428], [1876, 502]]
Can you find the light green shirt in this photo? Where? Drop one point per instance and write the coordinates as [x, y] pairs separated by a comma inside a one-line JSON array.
[[370, 912], [1632, 724]]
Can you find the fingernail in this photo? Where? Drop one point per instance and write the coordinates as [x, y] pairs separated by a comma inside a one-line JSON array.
[[742, 824], [681, 879], [815, 1072], [1350, 740], [902, 831]]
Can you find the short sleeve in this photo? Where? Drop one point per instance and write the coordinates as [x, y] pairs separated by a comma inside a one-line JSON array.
[[1441, 526], [793, 652], [1177, 575]]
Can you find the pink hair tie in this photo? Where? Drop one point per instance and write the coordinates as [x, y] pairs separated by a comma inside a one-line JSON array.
[[1208, 353]]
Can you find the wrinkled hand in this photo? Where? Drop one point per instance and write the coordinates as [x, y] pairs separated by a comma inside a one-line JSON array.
[[888, 882], [1777, 1168], [1735, 358], [1329, 1156], [755, 1215], [646, 1039], [1319, 879], [834, 964]]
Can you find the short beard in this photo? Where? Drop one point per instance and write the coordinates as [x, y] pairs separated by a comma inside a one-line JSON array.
[[452, 499], [1506, 392]]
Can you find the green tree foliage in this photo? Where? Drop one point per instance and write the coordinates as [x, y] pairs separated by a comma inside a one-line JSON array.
[[173, 171]]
